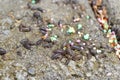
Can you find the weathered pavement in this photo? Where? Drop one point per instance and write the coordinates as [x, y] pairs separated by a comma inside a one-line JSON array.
[[36, 64], [113, 10]]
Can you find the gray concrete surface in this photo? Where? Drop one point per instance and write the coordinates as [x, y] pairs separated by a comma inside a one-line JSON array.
[[36, 64], [113, 10]]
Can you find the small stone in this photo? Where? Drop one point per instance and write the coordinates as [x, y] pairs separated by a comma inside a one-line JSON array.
[[109, 74], [100, 70], [53, 38], [86, 36], [51, 25], [88, 17], [99, 51], [72, 64], [65, 69], [31, 78], [7, 78], [88, 74], [21, 75], [31, 71], [104, 31], [33, 1], [6, 32], [79, 26], [71, 30], [93, 59]]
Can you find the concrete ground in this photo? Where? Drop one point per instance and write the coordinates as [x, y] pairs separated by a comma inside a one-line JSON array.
[[20, 63]]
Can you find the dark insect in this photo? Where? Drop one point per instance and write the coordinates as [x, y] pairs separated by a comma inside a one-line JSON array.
[[69, 51], [40, 9], [2, 51], [74, 47], [37, 15], [93, 52], [57, 53], [39, 42], [26, 43], [19, 53], [47, 45], [77, 57], [47, 40], [23, 28], [43, 30]]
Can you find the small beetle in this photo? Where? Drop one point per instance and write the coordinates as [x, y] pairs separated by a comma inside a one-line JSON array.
[[23, 28], [26, 43], [58, 53]]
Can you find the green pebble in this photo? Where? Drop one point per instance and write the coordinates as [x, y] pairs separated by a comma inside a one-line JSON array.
[[33, 1], [115, 41], [71, 30], [104, 31], [69, 41], [88, 17], [53, 38], [109, 30], [86, 36], [79, 26], [51, 25]]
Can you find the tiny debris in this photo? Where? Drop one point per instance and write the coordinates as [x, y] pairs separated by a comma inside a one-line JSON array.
[[40, 9], [31, 71]]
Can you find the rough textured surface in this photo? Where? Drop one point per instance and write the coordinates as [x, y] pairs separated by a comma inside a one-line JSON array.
[[36, 64], [113, 10]]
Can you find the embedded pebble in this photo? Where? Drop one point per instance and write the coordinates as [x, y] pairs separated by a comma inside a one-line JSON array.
[[31, 71], [72, 64], [88, 74], [21, 75], [109, 74]]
